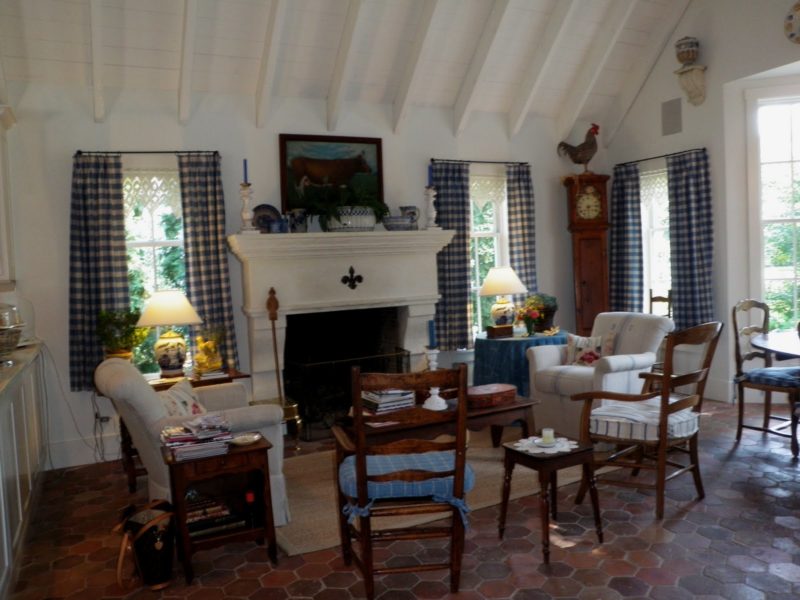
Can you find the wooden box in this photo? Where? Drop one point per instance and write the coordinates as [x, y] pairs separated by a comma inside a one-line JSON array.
[[499, 331], [491, 394]]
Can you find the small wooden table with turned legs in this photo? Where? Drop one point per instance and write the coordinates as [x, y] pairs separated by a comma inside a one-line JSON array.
[[547, 466]]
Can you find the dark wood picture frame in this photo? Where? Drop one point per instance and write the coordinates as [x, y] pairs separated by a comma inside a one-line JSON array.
[[312, 166]]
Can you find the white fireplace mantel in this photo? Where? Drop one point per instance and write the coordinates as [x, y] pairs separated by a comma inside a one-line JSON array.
[[397, 268]]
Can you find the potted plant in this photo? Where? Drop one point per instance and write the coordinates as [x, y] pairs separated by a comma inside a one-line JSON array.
[[345, 208], [118, 333], [538, 312]]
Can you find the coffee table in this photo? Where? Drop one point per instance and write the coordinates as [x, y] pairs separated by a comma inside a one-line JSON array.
[[547, 467]]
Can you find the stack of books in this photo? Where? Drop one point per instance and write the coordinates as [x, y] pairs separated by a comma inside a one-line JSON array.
[[219, 374], [387, 400], [205, 435], [204, 517]]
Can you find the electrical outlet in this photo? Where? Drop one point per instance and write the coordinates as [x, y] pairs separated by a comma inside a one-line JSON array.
[[101, 418]]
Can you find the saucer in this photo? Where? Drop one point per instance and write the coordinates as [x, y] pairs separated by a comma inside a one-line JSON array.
[[245, 439], [541, 444]]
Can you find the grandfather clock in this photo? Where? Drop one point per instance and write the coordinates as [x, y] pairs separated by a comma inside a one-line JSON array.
[[588, 223]]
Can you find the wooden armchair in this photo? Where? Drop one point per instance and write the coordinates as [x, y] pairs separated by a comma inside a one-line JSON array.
[[646, 427], [768, 379], [405, 477]]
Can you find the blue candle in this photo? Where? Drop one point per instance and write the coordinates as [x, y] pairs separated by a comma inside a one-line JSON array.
[[245, 170], [431, 334], [430, 174]]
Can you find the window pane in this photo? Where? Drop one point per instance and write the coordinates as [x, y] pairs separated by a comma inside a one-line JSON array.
[[483, 218], [774, 132], [781, 296], [655, 234], [780, 240], [776, 191]]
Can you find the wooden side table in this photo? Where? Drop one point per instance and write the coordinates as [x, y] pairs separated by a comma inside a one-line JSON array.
[[228, 478], [547, 466]]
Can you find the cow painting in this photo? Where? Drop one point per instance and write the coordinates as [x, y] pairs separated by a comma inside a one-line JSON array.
[[318, 171]]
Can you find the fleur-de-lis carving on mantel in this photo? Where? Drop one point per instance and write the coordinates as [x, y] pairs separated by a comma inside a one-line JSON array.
[[352, 280]]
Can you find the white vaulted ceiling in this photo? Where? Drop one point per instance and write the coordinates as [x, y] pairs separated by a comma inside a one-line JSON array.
[[568, 60]]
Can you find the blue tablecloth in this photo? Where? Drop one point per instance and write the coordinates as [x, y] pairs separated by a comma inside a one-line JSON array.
[[503, 360]]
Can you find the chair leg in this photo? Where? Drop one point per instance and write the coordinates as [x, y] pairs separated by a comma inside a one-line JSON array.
[[740, 422], [794, 417], [456, 551], [767, 409], [695, 458], [365, 533], [582, 489], [661, 480]]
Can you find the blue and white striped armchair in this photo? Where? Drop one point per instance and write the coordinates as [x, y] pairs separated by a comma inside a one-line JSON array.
[[636, 340]]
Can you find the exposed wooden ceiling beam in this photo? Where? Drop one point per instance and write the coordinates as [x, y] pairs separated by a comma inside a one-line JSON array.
[[344, 59], [98, 61], [466, 96], [187, 60], [590, 70], [642, 69], [411, 75], [269, 58], [555, 31], [3, 84]]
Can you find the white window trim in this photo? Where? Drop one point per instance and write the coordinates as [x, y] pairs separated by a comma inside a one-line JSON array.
[[755, 98]]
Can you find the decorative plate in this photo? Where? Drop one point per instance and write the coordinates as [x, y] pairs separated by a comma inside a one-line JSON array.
[[791, 24], [263, 215], [542, 444], [245, 439]]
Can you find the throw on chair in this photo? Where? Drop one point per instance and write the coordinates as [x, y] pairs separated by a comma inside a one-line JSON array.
[[389, 467]]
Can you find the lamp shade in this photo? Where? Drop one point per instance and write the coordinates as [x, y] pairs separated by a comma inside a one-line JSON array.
[[166, 308], [501, 281]]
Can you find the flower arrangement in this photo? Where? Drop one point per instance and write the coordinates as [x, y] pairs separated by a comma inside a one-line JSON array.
[[537, 312]]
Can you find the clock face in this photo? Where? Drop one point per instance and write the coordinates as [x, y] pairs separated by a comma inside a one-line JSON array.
[[587, 204]]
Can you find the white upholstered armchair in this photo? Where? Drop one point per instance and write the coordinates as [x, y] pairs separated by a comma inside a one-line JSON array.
[[632, 349], [145, 416]]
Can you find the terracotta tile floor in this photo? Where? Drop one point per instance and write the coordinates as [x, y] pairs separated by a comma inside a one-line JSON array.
[[741, 542]]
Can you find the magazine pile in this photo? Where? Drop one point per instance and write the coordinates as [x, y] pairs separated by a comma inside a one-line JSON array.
[[205, 435], [383, 401]]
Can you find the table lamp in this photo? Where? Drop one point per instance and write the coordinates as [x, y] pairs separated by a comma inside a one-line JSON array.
[[169, 308], [502, 282]]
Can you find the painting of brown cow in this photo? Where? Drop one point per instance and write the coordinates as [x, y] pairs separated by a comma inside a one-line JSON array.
[[316, 168], [318, 171]]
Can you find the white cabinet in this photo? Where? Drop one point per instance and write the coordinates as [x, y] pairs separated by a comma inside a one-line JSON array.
[[22, 452]]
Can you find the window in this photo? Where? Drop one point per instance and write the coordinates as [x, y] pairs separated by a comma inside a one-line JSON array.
[[154, 239], [488, 240], [655, 234], [776, 160]]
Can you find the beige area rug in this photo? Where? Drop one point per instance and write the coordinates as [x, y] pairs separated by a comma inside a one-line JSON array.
[[312, 496]]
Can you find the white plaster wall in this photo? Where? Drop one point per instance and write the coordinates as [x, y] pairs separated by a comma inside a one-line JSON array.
[[738, 38], [54, 122]]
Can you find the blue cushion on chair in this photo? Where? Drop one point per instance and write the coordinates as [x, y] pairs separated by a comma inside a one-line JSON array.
[[380, 464], [788, 377]]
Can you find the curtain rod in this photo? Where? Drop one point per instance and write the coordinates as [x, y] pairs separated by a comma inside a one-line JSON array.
[[632, 162], [79, 152], [487, 162]]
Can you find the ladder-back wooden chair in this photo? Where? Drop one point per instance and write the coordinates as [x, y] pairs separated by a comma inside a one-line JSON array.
[[664, 418], [406, 476], [659, 299], [767, 379]]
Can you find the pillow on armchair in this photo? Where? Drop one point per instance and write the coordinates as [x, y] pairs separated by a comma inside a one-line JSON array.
[[180, 400], [588, 350]]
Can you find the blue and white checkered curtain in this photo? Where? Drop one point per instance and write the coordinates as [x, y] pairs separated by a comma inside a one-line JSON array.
[[691, 235], [451, 180], [207, 281], [521, 226], [98, 278], [626, 288]]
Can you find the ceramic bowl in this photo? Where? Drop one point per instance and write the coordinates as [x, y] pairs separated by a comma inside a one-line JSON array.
[[398, 223]]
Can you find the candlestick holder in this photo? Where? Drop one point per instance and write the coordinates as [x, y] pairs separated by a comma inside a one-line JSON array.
[[245, 192], [430, 198], [432, 355]]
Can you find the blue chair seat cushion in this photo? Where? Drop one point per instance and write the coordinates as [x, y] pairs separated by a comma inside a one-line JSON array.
[[383, 464], [788, 377]]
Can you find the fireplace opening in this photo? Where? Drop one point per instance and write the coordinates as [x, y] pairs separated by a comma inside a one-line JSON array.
[[322, 347]]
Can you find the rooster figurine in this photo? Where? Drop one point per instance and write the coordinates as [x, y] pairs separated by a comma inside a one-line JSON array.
[[582, 153]]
